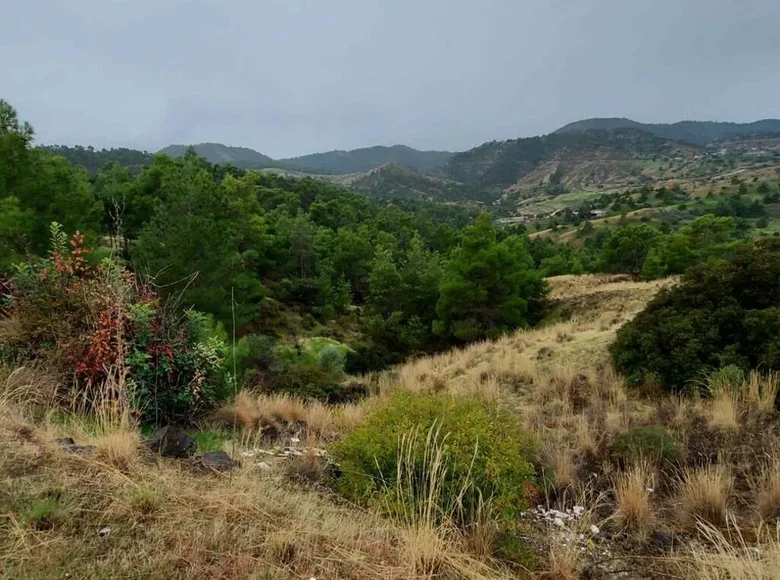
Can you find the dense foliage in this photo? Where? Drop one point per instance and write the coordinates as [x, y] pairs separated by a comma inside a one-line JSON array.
[[281, 260], [485, 455], [108, 337], [722, 313], [488, 287]]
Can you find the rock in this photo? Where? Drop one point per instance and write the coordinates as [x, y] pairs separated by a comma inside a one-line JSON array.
[[69, 446], [544, 353], [171, 442], [578, 510], [559, 522], [218, 461], [594, 530], [263, 465]]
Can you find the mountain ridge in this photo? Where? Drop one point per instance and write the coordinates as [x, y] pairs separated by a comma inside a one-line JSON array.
[[337, 162], [694, 132]]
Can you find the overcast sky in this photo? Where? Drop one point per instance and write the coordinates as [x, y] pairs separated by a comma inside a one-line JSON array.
[[288, 77]]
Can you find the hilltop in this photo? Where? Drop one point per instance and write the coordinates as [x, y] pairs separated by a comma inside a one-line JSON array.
[[218, 153], [693, 132], [368, 158], [331, 162]]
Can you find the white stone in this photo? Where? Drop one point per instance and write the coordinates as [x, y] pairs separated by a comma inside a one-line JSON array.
[[594, 529], [559, 522], [578, 510]]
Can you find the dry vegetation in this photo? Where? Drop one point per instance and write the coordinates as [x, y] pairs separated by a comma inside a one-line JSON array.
[[712, 514]]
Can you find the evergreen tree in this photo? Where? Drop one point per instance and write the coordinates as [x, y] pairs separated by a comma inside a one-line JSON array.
[[487, 287]]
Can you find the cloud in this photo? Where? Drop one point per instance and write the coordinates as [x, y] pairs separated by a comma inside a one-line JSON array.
[[288, 77]]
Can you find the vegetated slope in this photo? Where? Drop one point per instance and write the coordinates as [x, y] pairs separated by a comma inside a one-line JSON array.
[[501, 164], [359, 160], [395, 181], [219, 153], [695, 132], [93, 159]]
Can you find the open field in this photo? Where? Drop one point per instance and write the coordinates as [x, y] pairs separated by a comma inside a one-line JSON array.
[[119, 512]]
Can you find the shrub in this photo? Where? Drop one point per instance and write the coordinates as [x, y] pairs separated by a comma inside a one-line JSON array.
[[652, 443], [484, 454], [108, 336], [720, 314]]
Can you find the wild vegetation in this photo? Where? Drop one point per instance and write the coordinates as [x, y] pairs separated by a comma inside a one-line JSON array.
[[375, 389]]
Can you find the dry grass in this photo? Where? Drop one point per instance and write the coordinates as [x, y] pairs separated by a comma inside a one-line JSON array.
[[724, 410], [760, 390], [120, 449], [634, 510], [768, 493], [705, 494], [166, 521], [561, 460], [731, 557]]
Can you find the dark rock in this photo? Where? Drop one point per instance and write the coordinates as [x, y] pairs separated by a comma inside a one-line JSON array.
[[69, 446], [218, 461], [171, 442], [544, 353]]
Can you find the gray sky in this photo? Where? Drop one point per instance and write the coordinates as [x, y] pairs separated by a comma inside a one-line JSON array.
[[288, 77]]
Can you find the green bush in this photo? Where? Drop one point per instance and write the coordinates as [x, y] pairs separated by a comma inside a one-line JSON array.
[[653, 443], [723, 313], [485, 450]]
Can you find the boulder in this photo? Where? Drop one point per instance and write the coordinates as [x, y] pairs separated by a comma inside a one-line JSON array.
[[218, 461], [171, 441]]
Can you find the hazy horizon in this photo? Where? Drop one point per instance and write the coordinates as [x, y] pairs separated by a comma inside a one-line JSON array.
[[293, 77]]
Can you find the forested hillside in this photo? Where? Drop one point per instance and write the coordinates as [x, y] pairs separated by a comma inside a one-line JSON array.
[[222, 154], [93, 159], [498, 164], [693, 132], [360, 160]]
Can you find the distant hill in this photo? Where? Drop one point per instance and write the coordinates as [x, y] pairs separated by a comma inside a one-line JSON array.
[[360, 160], [396, 182], [694, 132], [593, 155], [223, 154], [94, 159]]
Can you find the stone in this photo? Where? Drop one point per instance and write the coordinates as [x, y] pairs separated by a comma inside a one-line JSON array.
[[559, 522], [218, 461], [594, 530], [171, 442], [69, 446]]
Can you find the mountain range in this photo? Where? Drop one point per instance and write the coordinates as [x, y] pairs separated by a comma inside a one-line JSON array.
[[331, 162], [694, 132], [591, 154]]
